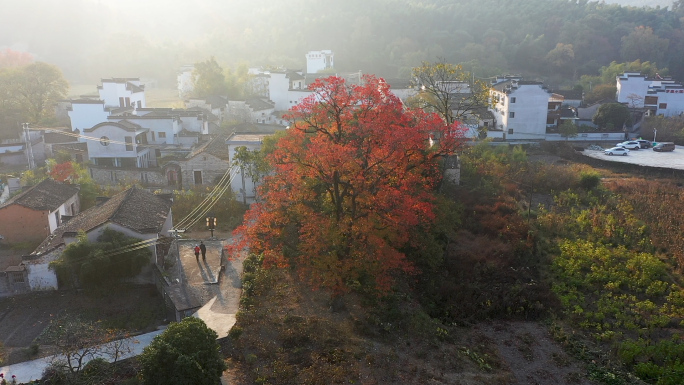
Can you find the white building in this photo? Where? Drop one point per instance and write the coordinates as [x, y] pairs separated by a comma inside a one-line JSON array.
[[521, 109], [185, 82], [319, 61], [660, 96]]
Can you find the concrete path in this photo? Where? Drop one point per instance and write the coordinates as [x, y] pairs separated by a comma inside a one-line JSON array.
[[218, 313], [33, 370]]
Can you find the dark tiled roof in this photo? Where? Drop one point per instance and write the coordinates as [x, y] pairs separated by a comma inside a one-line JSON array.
[[569, 94], [216, 147], [46, 195], [503, 86], [123, 124], [256, 128], [62, 136], [257, 104], [295, 76], [87, 101], [135, 209], [216, 101], [133, 88], [71, 147]]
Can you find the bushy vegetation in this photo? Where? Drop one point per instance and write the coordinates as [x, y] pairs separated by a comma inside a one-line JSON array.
[[92, 264], [228, 211]]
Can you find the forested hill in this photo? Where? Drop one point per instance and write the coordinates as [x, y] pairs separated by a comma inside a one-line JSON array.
[[539, 38]]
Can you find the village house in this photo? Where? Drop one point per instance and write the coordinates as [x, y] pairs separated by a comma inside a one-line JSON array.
[[134, 212], [34, 214], [657, 96]]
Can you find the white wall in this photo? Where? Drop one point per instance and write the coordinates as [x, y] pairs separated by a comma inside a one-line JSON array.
[[111, 91], [40, 277], [530, 108], [86, 115], [319, 60], [278, 88], [112, 150]]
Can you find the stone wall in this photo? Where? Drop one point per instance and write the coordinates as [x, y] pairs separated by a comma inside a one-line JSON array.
[[110, 176]]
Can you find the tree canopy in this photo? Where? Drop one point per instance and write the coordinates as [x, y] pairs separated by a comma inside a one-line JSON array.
[[353, 176], [185, 353], [448, 90], [612, 116], [28, 93]]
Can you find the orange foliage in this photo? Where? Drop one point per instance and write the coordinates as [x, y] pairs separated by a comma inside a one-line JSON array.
[[352, 177]]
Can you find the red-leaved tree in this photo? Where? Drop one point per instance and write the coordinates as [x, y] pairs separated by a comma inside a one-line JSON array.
[[352, 177]]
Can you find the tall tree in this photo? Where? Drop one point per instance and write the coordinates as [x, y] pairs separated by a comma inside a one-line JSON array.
[[209, 79], [615, 115], [644, 45], [353, 176], [448, 90], [39, 87]]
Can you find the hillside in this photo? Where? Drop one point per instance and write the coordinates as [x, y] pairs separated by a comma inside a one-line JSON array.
[[556, 40], [550, 272]]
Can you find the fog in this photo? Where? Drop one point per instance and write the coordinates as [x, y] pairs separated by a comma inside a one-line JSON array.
[[92, 39]]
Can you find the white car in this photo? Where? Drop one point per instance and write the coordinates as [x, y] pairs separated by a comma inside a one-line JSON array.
[[631, 144], [616, 151]]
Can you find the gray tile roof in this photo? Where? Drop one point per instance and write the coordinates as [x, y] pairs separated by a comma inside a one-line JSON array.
[[257, 104], [135, 209], [216, 146], [46, 195]]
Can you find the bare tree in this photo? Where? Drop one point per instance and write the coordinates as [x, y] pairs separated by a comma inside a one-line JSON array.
[[448, 90]]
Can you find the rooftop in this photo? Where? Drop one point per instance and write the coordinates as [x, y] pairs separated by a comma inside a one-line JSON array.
[[46, 195]]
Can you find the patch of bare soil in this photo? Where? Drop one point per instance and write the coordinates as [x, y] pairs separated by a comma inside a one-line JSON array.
[[287, 334], [24, 317], [527, 350]]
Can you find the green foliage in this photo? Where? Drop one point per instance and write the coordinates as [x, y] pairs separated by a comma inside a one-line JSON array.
[[568, 129], [615, 115], [91, 264], [589, 180], [209, 79], [227, 210], [185, 353], [28, 94]]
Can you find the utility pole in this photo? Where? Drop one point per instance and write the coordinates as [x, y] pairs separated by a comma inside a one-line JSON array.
[[29, 149], [244, 191]]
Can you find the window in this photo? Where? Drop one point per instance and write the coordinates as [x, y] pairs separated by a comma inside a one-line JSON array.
[[129, 143], [198, 177], [121, 102], [139, 103], [510, 131], [128, 102], [511, 114], [18, 277], [513, 99], [486, 124], [162, 135], [153, 139], [662, 106], [57, 218], [651, 100]]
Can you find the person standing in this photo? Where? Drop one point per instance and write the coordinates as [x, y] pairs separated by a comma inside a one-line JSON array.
[[197, 252], [203, 249]]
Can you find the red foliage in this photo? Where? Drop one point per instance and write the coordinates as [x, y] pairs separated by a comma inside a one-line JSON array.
[[351, 178], [12, 58], [63, 172]]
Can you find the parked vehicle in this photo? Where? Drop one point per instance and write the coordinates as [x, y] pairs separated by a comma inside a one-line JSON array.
[[664, 146], [645, 143], [631, 144], [616, 151]]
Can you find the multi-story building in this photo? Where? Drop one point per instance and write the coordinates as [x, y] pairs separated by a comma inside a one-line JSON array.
[[657, 95]]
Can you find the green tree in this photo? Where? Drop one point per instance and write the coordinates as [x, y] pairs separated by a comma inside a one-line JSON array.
[[561, 58], [252, 162], [448, 90], [209, 79], [185, 353], [643, 44], [568, 129], [38, 87], [92, 264], [612, 114]]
